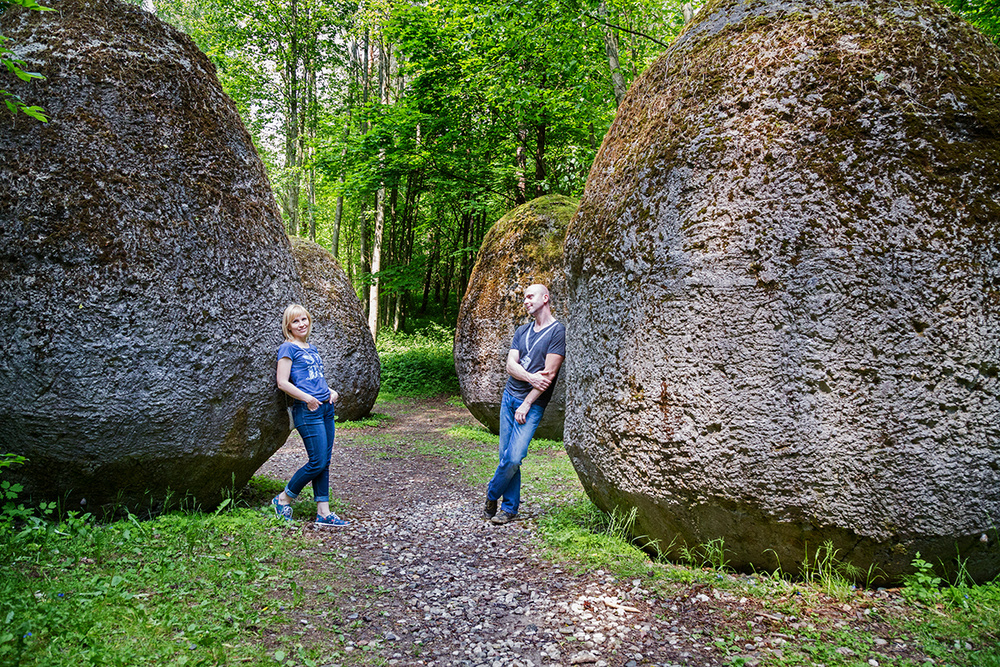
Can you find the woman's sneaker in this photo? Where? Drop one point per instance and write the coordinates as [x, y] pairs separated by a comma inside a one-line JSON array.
[[331, 520], [283, 511]]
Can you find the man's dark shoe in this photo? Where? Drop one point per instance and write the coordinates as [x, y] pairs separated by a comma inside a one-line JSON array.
[[502, 517], [490, 510]]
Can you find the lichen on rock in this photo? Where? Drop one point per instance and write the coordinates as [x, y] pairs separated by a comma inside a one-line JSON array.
[[522, 248], [144, 267], [340, 331], [784, 279]]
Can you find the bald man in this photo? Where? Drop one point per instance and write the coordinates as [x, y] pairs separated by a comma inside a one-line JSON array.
[[533, 363]]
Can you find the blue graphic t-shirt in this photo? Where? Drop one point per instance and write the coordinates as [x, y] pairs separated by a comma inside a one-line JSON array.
[[307, 370]]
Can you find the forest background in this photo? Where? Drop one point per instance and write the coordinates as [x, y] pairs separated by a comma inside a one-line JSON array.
[[396, 133]]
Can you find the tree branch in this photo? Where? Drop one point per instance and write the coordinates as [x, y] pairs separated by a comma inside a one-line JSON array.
[[618, 27]]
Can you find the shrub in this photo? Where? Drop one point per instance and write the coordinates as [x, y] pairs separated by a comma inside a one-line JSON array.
[[418, 364]]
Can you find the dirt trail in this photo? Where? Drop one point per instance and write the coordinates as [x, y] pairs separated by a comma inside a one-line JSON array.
[[431, 583]]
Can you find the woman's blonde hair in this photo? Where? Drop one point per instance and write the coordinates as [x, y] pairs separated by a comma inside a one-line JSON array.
[[293, 311]]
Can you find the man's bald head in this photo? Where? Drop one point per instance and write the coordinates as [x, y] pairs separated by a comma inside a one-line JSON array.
[[536, 302]]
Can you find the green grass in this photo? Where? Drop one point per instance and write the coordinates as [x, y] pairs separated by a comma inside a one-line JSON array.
[[230, 586], [583, 538], [180, 589], [374, 420], [546, 471], [184, 588]]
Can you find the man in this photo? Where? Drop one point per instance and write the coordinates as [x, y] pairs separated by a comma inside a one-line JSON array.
[[533, 362]]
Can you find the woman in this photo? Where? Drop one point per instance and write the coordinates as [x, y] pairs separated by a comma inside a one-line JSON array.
[[300, 375]]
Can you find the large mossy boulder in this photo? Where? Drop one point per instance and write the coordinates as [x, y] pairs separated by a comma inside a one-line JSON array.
[[143, 267], [522, 248], [340, 331], [784, 283]]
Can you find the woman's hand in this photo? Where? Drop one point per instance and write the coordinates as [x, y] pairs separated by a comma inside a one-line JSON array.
[[334, 396], [312, 404]]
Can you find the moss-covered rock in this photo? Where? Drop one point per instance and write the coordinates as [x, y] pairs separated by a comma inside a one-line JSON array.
[[522, 248], [340, 331], [784, 281], [143, 267]]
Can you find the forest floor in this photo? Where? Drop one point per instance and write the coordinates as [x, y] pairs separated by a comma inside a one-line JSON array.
[[419, 578]]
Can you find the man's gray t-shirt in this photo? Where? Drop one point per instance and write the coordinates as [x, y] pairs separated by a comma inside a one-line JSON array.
[[533, 346]]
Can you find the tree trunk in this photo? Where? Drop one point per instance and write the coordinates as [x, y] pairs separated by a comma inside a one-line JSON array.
[[398, 320], [365, 264], [376, 262], [310, 148], [335, 230], [380, 204], [540, 185], [611, 48], [429, 273], [521, 167], [292, 155], [446, 288]]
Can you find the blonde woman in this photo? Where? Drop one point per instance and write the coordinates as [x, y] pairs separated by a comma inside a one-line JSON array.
[[300, 375]]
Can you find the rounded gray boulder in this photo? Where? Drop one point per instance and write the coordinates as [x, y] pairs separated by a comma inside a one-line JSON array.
[[143, 267], [783, 280], [340, 331], [522, 248]]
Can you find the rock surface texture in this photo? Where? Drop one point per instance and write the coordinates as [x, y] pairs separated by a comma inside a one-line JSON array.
[[340, 331], [784, 283], [143, 267], [523, 247]]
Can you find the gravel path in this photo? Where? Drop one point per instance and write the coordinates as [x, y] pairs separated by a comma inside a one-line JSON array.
[[452, 589]]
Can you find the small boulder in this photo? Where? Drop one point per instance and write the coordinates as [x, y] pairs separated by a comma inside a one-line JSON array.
[[143, 267], [340, 331], [783, 283], [522, 248]]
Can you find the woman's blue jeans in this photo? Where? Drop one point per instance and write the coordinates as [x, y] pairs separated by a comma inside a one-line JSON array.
[[316, 429], [514, 439]]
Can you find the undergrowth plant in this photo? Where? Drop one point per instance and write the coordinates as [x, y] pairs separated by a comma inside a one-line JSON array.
[[711, 554], [417, 364], [923, 584], [834, 576], [185, 588]]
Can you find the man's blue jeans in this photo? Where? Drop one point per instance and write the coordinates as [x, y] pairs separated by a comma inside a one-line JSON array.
[[316, 429], [514, 439]]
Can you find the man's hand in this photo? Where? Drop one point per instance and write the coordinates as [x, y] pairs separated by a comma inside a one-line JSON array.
[[541, 380], [521, 414]]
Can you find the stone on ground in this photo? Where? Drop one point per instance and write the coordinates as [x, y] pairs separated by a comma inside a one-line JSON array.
[[522, 248], [144, 267], [340, 331], [783, 284]]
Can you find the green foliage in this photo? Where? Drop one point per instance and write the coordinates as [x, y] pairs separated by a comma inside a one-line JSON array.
[[923, 584], [984, 14], [418, 364], [481, 107], [14, 66]]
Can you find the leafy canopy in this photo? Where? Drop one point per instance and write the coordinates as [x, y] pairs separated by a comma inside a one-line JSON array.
[[14, 66]]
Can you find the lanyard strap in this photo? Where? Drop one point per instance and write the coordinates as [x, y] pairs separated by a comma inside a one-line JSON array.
[[527, 337]]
